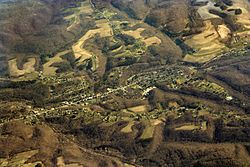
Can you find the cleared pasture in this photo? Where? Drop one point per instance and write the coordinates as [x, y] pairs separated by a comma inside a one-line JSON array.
[[28, 67]]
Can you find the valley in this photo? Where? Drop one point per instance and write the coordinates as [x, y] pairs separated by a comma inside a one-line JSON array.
[[125, 83]]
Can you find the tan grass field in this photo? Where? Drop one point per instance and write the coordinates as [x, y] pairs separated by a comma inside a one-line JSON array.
[[60, 162], [245, 35], [103, 29], [204, 11], [28, 67], [137, 109], [187, 127], [156, 122], [128, 128], [148, 132], [223, 31], [20, 159], [137, 35], [207, 44], [84, 9], [151, 41], [48, 69], [245, 16]]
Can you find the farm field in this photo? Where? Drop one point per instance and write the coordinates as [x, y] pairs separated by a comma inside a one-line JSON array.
[[118, 83]]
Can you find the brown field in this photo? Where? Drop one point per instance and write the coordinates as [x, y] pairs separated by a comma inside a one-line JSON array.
[[128, 128], [156, 122], [151, 41], [148, 133], [244, 17], [81, 53], [223, 31], [20, 159], [245, 35], [60, 162], [137, 109], [28, 67], [187, 127], [48, 69], [207, 44], [84, 9], [204, 11], [137, 35]]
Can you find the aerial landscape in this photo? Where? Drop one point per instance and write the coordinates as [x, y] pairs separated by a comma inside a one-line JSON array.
[[125, 83]]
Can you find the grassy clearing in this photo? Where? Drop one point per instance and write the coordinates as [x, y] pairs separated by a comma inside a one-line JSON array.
[[244, 17], [137, 35], [139, 109], [207, 44], [245, 35], [156, 122], [223, 31], [128, 128], [204, 11], [187, 127], [28, 67], [204, 125], [103, 29], [60, 162], [48, 69], [126, 53], [152, 41], [20, 160], [147, 133], [84, 9]]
